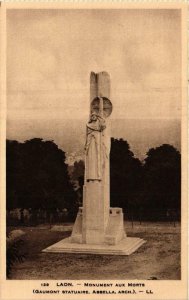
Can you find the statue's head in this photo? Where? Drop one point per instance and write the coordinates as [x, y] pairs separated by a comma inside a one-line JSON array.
[[93, 117]]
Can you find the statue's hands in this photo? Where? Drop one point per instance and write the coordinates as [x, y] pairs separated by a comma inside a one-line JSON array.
[[102, 127], [100, 117]]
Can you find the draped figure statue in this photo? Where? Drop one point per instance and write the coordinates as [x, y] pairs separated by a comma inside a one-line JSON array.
[[95, 147]]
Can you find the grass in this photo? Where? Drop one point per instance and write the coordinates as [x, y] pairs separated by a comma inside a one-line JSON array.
[[158, 257]]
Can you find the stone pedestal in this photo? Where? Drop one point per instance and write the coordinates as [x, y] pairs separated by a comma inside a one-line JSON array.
[[125, 247], [114, 240], [93, 233], [94, 216]]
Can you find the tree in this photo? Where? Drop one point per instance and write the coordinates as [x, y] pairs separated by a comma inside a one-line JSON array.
[[162, 180], [78, 179], [125, 176], [14, 170], [43, 177], [13, 252]]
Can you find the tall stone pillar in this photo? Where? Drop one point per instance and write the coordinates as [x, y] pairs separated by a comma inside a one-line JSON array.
[[96, 199], [96, 222]]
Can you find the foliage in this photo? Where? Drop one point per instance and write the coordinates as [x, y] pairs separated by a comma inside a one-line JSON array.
[[13, 254], [162, 179], [78, 176], [37, 176], [78, 170], [148, 190], [125, 174]]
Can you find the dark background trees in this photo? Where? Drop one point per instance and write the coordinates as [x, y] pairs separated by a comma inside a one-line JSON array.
[[150, 191], [38, 179], [77, 177], [162, 181], [125, 177], [14, 173]]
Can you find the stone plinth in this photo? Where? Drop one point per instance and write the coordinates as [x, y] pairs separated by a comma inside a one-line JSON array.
[[111, 234], [94, 215], [115, 241], [125, 247]]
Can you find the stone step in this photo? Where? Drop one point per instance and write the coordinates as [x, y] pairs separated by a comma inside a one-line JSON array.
[[125, 247]]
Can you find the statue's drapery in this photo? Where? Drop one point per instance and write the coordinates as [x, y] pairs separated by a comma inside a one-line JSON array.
[[95, 148]]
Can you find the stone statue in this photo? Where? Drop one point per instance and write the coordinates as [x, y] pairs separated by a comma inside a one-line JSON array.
[[95, 147]]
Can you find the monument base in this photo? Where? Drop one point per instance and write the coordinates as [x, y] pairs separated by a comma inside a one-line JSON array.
[[115, 241], [113, 233], [126, 246]]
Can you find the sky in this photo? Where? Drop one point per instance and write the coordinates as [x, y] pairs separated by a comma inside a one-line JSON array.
[[50, 54]]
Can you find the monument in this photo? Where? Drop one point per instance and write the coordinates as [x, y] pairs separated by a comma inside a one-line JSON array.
[[98, 229]]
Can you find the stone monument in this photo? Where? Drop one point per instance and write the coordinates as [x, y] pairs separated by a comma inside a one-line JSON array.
[[98, 228]]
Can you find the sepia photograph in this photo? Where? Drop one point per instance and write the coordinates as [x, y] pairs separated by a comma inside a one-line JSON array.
[[95, 152]]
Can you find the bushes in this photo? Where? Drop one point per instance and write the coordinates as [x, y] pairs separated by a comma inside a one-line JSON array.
[[14, 254]]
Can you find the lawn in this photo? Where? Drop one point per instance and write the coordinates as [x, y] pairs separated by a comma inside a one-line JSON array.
[[158, 257]]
